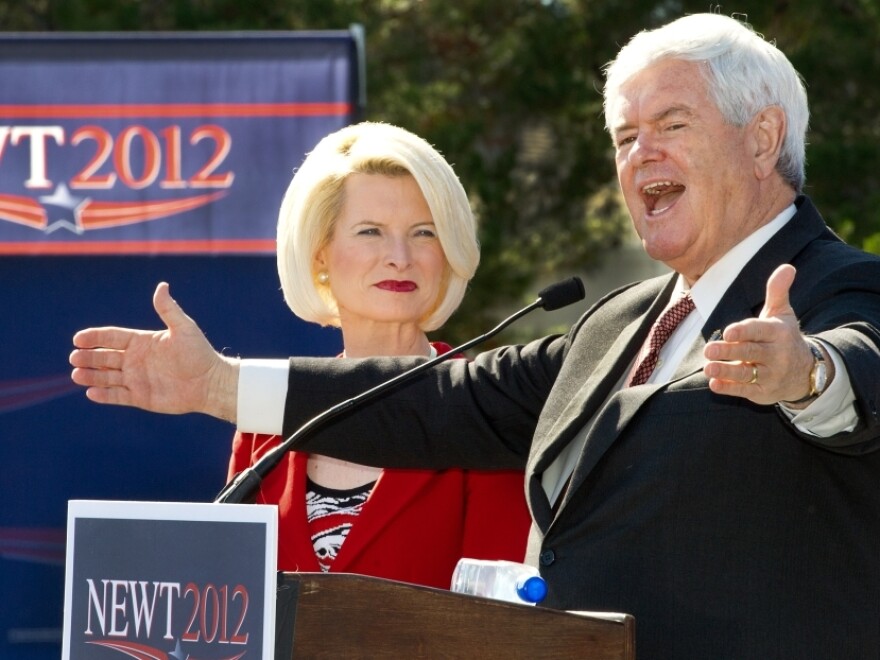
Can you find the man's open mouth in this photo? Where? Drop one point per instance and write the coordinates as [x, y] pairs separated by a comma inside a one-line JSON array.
[[661, 195]]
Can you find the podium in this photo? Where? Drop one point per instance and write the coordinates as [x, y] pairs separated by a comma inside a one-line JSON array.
[[340, 615]]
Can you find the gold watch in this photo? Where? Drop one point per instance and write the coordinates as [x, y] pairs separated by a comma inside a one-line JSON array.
[[818, 374]]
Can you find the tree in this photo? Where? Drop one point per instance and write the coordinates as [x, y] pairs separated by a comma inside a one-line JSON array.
[[510, 92]]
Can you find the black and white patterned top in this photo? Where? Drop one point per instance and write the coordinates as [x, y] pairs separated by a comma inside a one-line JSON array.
[[331, 513]]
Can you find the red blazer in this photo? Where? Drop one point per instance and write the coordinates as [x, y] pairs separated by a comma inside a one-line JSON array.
[[415, 525]]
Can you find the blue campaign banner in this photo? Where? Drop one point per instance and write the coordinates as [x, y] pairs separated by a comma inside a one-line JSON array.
[[141, 143], [126, 160]]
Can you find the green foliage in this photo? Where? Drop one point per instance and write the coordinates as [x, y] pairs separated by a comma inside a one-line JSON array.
[[838, 52], [510, 92]]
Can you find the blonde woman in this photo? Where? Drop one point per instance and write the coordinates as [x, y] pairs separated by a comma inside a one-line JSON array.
[[376, 237]]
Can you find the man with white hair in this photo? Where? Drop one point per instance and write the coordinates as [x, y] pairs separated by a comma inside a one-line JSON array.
[[701, 449]]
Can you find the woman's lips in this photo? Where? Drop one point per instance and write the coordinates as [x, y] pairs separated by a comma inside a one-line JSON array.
[[404, 286]]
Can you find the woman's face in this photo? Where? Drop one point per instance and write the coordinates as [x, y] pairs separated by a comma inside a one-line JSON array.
[[384, 258]]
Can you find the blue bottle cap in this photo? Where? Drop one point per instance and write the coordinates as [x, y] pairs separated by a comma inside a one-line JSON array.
[[532, 590]]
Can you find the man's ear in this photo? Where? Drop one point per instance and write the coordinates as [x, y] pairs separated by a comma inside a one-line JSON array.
[[768, 133]]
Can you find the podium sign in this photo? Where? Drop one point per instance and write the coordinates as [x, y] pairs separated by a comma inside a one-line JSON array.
[[169, 581]]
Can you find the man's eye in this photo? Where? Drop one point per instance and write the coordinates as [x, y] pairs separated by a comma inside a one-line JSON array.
[[629, 139]]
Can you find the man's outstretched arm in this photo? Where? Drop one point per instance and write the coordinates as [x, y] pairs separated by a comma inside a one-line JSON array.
[[174, 371]]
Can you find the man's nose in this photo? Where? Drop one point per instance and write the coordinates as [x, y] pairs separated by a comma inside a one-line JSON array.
[[644, 149]]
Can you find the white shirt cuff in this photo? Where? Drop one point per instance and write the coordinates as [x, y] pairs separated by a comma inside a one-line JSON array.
[[262, 392]]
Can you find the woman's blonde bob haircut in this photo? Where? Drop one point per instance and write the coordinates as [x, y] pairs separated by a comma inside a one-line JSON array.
[[314, 201]]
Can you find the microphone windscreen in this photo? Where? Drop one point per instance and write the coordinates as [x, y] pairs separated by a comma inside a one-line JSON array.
[[562, 293]]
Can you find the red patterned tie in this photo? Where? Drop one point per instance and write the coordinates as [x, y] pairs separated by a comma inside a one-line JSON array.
[[660, 332]]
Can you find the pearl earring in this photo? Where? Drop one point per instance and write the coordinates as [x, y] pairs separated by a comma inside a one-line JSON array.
[[323, 277]]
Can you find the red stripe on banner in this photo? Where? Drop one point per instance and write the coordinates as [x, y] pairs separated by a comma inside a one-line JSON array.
[[176, 110], [39, 545], [18, 394], [133, 649], [206, 246], [22, 211], [96, 215]]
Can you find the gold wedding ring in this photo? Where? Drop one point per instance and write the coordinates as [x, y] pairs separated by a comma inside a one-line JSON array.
[[754, 379]]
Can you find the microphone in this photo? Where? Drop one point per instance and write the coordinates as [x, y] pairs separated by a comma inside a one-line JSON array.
[[243, 488]]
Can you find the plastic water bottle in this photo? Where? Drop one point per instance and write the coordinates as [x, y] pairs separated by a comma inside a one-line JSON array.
[[501, 580]]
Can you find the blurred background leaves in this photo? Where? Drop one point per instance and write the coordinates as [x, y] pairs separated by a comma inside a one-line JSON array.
[[510, 92]]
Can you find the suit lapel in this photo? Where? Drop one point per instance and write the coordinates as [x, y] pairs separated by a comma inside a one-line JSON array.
[[596, 367], [611, 363], [588, 398]]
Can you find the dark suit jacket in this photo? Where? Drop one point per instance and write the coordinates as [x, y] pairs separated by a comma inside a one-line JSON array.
[[722, 528]]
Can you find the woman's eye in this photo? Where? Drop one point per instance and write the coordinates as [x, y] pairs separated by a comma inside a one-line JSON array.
[[369, 231]]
